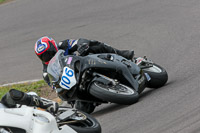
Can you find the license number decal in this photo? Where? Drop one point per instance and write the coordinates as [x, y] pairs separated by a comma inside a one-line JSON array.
[[68, 79]]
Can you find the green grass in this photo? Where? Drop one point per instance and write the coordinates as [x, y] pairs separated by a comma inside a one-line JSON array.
[[26, 87], [2, 1]]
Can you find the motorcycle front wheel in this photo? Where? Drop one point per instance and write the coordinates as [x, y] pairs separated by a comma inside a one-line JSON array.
[[158, 76], [11, 130], [119, 93]]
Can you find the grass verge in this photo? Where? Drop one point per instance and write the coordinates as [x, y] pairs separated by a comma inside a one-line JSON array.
[[26, 87], [4, 1], [1, 1]]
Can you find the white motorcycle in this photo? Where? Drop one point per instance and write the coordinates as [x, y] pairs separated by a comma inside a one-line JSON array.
[[32, 120]]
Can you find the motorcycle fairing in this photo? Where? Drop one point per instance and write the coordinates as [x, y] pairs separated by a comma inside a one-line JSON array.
[[31, 120], [130, 71], [113, 62]]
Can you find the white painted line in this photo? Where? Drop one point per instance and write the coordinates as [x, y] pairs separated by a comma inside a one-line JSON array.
[[21, 82]]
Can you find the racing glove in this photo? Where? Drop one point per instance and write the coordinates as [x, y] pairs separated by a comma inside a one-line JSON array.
[[43, 103], [83, 49]]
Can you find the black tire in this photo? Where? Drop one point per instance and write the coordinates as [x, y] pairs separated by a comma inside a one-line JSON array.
[[119, 93], [14, 130], [158, 76], [90, 125], [87, 107]]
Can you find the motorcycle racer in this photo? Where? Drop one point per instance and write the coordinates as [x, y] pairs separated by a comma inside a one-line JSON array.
[[46, 47]]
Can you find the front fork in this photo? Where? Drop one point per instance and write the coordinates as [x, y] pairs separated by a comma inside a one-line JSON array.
[[143, 62]]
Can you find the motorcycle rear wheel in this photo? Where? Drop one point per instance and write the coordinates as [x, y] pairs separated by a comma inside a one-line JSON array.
[[158, 76], [119, 93]]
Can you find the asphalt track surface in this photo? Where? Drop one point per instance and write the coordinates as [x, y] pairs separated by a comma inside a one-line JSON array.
[[166, 31]]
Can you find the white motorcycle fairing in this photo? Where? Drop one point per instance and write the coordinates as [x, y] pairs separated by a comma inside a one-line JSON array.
[[31, 120]]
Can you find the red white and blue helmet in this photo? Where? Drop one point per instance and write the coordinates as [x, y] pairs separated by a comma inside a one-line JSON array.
[[46, 48]]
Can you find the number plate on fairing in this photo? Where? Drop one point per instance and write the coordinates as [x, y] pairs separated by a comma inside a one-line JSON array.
[[68, 79]]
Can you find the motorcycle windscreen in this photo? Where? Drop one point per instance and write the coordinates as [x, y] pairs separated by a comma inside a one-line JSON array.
[[54, 68], [57, 69]]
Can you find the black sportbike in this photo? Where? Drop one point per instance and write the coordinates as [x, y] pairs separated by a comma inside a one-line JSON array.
[[103, 78]]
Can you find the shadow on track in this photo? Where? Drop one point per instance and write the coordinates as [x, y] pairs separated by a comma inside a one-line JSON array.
[[114, 107], [109, 109], [149, 91]]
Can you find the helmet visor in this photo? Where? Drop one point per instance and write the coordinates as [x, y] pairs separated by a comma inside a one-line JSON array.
[[47, 56]]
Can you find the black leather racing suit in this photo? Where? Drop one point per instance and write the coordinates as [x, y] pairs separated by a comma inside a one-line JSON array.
[[70, 46]]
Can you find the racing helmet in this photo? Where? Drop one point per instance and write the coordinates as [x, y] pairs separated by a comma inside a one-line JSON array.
[[46, 48]]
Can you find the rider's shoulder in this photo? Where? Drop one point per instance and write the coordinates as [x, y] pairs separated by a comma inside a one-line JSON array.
[[83, 40], [63, 43]]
